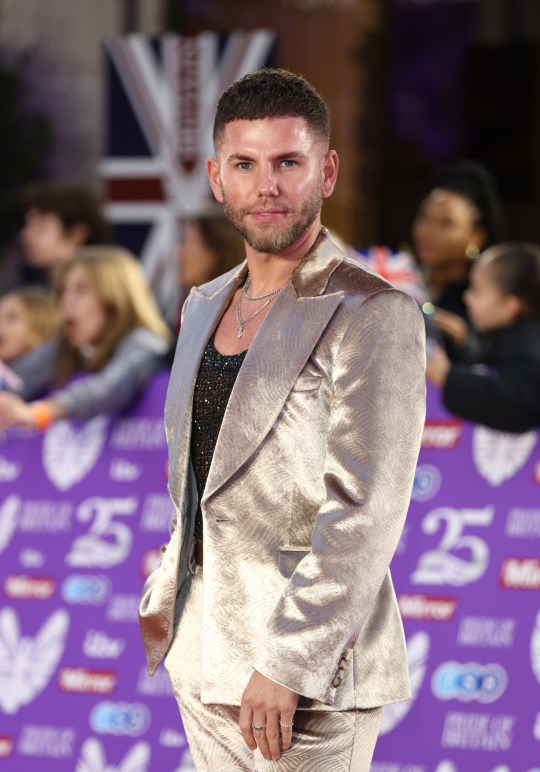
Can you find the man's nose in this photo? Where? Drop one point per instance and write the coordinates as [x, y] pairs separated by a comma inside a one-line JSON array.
[[267, 183]]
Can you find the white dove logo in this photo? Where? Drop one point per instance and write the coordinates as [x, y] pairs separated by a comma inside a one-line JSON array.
[[70, 453], [499, 456], [535, 648], [93, 758], [186, 764], [27, 664], [417, 656]]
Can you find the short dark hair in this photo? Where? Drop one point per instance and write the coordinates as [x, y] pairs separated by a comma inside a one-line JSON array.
[[516, 272], [73, 204], [272, 93], [472, 180]]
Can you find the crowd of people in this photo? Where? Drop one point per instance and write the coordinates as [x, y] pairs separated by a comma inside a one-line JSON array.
[[84, 306], [484, 351]]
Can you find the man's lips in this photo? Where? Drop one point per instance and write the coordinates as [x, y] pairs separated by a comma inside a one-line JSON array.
[[268, 214]]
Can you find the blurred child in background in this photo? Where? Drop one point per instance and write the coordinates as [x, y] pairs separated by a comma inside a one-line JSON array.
[[112, 331], [29, 324], [59, 219], [503, 301]]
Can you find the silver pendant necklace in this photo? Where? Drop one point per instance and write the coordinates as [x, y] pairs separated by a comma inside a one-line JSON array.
[[243, 294]]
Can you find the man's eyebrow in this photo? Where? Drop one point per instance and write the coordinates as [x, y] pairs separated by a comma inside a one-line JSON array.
[[293, 154], [239, 157], [281, 157]]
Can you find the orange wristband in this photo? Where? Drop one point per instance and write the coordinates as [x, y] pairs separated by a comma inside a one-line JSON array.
[[41, 414]]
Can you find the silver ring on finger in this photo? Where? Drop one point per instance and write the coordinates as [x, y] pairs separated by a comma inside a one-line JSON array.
[[285, 725], [259, 727]]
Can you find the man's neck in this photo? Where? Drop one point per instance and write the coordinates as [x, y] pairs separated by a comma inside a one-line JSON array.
[[269, 271]]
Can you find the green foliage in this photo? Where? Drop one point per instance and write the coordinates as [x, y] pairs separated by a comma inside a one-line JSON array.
[[26, 138]]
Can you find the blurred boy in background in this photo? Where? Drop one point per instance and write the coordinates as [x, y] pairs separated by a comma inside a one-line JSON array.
[[59, 219]]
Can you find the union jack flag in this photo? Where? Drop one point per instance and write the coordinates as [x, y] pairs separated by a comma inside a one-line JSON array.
[[162, 95], [399, 268]]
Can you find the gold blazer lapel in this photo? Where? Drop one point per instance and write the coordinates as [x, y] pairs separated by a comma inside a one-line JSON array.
[[201, 319], [274, 361]]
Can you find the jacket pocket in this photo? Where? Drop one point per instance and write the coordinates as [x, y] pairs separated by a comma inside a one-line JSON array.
[[288, 558]]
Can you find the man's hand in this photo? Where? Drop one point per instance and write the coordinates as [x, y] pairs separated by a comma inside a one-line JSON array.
[[272, 706]]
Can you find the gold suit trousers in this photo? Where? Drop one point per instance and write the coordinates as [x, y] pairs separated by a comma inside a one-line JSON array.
[[323, 741]]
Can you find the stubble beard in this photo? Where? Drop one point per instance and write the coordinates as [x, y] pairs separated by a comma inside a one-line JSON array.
[[273, 238]]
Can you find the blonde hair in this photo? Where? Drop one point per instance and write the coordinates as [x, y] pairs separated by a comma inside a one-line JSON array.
[[41, 310], [121, 287]]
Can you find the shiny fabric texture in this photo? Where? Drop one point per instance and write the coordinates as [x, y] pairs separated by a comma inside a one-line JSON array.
[[330, 741], [307, 492]]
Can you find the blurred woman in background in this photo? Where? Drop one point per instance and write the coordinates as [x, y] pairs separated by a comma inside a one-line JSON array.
[[209, 246], [112, 331], [459, 215]]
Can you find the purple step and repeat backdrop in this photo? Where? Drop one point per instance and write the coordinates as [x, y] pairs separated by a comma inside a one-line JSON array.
[[83, 511]]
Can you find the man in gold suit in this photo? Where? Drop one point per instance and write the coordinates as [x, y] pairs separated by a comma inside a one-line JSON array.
[[293, 416]]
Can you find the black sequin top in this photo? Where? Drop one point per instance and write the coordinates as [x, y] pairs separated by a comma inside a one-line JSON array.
[[215, 381]]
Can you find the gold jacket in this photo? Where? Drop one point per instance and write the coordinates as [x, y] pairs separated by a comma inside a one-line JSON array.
[[307, 491]]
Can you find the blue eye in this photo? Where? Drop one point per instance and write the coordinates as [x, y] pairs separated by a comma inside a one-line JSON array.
[[288, 163], [245, 165]]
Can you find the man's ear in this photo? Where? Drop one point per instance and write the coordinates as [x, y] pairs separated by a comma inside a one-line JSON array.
[[212, 170], [330, 172]]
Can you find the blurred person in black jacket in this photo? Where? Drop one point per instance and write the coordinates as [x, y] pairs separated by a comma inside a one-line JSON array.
[[504, 306]]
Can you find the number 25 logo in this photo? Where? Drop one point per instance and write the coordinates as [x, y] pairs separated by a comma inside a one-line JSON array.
[[107, 542], [442, 565]]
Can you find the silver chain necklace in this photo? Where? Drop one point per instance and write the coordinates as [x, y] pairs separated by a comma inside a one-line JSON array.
[[243, 294], [256, 297]]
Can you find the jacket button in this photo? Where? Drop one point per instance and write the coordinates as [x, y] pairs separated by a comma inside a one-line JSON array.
[[336, 682]]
